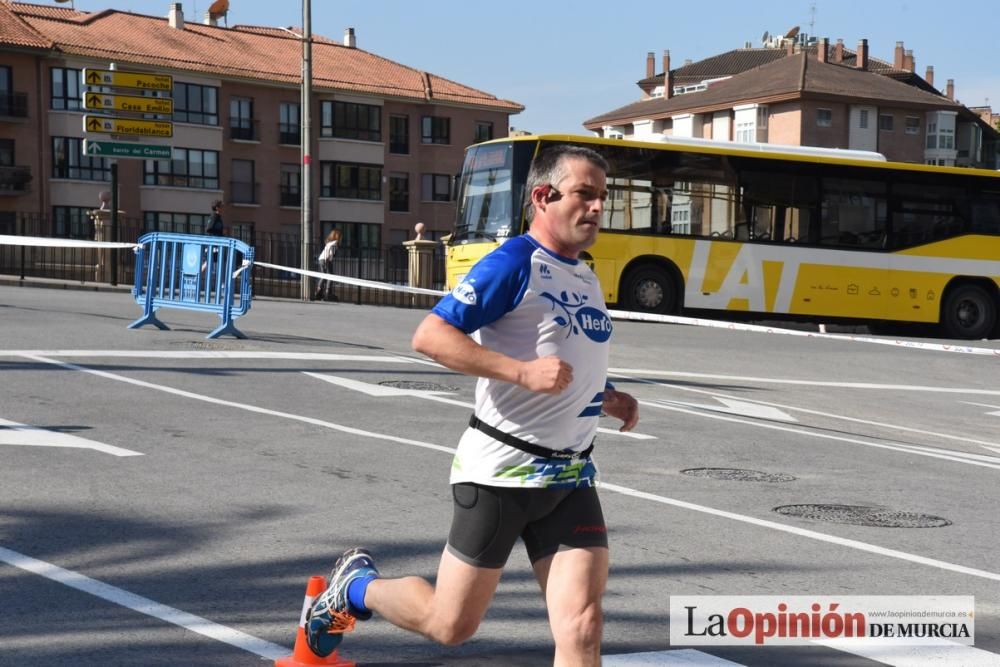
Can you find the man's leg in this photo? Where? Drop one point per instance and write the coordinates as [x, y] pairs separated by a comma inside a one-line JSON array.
[[573, 583], [449, 612]]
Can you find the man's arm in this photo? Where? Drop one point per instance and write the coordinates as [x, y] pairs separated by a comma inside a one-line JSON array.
[[450, 347]]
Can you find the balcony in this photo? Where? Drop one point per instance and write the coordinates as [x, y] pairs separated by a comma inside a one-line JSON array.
[[244, 129], [289, 134], [13, 105], [242, 192], [15, 180], [290, 196]]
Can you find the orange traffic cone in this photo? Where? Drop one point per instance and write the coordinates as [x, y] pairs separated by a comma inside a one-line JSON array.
[[301, 655]]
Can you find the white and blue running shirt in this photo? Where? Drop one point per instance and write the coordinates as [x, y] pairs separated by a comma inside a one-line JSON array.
[[527, 302]]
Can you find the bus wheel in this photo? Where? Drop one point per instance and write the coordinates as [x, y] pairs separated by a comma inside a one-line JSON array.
[[969, 312], [650, 289]]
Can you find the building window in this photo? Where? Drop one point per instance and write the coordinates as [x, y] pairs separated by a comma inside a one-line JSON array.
[[183, 223], [242, 231], [355, 236], [68, 161], [435, 187], [435, 130], [885, 122], [289, 128], [241, 123], [72, 222], [399, 192], [824, 118], [194, 103], [912, 125], [189, 168], [399, 135], [65, 88], [291, 185], [346, 120], [6, 152], [931, 134], [11, 104], [350, 181], [243, 188], [746, 133], [484, 131], [863, 119], [946, 138]]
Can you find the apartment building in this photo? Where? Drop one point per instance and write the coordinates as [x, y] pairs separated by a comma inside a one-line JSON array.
[[796, 90], [387, 139]]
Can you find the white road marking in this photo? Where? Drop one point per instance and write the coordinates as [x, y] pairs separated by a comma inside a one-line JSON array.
[[206, 354], [934, 652], [995, 408], [812, 383], [143, 605], [958, 457], [379, 391], [15, 433], [792, 408], [687, 657], [742, 408]]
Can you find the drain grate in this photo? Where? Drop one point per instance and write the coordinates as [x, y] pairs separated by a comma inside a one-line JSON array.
[[738, 475], [418, 386], [860, 515]]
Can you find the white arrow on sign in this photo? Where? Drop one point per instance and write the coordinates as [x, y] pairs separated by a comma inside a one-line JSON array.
[[731, 406], [380, 391], [14, 433]]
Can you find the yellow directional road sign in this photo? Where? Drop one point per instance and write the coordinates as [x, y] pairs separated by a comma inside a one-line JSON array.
[[139, 128], [130, 103], [143, 80]]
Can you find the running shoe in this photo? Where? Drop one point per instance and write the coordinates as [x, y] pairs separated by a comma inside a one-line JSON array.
[[331, 615]]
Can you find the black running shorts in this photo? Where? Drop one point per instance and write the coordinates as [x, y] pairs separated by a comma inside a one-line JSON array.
[[489, 519]]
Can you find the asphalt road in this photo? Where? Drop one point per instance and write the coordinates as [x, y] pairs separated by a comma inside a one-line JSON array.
[[164, 498]]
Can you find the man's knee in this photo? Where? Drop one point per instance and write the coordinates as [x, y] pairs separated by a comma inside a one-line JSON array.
[[453, 631], [582, 629]]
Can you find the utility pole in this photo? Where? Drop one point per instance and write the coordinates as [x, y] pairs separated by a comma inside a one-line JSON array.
[[306, 129]]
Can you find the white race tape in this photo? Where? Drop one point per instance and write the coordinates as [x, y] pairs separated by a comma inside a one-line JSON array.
[[737, 326], [61, 243], [354, 281]]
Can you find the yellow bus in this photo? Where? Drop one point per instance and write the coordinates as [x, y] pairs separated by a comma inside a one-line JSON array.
[[772, 231]]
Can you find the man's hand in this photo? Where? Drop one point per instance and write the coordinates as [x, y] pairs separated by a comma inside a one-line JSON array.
[[623, 406], [546, 375]]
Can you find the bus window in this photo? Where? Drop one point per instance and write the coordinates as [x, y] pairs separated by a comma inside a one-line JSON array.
[[853, 213], [629, 206], [985, 218], [925, 213]]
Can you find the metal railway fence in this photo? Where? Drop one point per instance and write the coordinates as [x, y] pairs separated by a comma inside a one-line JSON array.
[[388, 264]]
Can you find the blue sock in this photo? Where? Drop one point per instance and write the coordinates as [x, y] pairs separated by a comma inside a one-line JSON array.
[[356, 592]]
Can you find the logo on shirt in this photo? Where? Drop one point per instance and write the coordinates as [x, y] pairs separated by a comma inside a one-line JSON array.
[[465, 293], [545, 272], [578, 317]]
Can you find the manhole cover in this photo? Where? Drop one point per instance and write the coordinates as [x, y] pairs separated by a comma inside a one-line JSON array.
[[738, 475], [860, 515], [419, 386]]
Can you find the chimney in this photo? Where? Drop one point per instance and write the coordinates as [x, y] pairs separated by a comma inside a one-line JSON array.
[[908, 63], [838, 52], [949, 90], [176, 16], [861, 59], [821, 49], [929, 76], [210, 20], [897, 60], [650, 65], [349, 39], [668, 76]]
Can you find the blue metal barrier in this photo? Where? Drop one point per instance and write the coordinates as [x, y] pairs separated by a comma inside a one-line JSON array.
[[193, 273]]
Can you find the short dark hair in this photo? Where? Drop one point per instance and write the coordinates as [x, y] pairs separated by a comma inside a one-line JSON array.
[[216, 204], [548, 168]]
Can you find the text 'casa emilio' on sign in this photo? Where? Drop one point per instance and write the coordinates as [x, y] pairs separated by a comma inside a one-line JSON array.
[[131, 126], [130, 103], [119, 79]]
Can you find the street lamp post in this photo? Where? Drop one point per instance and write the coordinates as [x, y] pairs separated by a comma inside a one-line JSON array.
[[306, 139]]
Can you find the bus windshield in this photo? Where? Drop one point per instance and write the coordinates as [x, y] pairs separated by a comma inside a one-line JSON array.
[[490, 191]]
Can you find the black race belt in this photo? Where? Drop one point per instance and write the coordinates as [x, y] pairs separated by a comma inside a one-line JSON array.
[[525, 446]]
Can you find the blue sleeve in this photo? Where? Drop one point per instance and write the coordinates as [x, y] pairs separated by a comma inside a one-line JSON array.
[[494, 286]]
